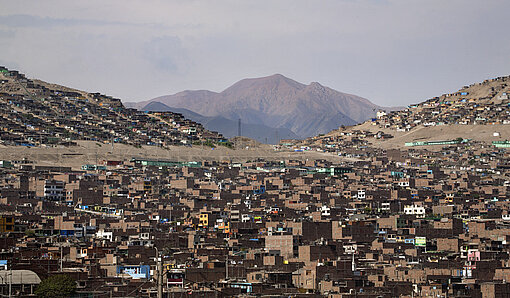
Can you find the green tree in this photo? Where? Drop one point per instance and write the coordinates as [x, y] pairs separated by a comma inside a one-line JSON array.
[[56, 286], [30, 233]]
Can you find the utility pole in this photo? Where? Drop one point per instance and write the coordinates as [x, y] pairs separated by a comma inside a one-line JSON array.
[[239, 127], [353, 263], [226, 264], [239, 133], [10, 282], [160, 274], [61, 257]]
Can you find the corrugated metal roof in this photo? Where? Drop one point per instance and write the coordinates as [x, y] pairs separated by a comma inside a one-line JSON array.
[[19, 277]]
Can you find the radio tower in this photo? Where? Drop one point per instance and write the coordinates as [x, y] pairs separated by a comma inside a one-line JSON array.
[[239, 127]]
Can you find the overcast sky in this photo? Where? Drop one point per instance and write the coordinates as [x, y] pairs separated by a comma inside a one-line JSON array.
[[393, 52]]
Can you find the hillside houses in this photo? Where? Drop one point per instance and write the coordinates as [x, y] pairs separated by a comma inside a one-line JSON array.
[[479, 104], [34, 114]]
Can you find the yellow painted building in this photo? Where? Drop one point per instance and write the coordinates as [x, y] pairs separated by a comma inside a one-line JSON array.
[[6, 223], [203, 220], [225, 227]]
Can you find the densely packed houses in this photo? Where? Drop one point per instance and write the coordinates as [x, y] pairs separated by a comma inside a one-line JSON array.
[[398, 223]]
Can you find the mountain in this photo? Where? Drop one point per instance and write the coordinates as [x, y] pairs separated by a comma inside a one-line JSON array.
[[228, 128], [36, 113], [277, 102]]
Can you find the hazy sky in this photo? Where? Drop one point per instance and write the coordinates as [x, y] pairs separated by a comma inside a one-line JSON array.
[[393, 52]]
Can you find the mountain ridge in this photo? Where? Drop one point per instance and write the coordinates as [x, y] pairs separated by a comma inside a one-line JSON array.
[[276, 101]]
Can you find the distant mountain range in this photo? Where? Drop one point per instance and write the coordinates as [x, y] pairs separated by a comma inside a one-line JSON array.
[[228, 127], [273, 107]]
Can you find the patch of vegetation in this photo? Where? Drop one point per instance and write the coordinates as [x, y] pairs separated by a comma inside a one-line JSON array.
[[226, 144], [56, 286], [30, 233]]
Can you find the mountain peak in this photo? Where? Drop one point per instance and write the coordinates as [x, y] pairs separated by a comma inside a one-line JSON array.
[[317, 86], [278, 75], [275, 81]]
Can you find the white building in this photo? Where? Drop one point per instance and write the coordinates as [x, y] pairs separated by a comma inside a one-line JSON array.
[[102, 234], [419, 211], [325, 210], [245, 218], [54, 190], [380, 114]]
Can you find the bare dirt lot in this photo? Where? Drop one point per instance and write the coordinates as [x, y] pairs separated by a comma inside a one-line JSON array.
[[88, 152]]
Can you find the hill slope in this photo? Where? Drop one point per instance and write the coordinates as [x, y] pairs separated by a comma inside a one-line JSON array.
[[276, 101], [33, 113], [480, 112]]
